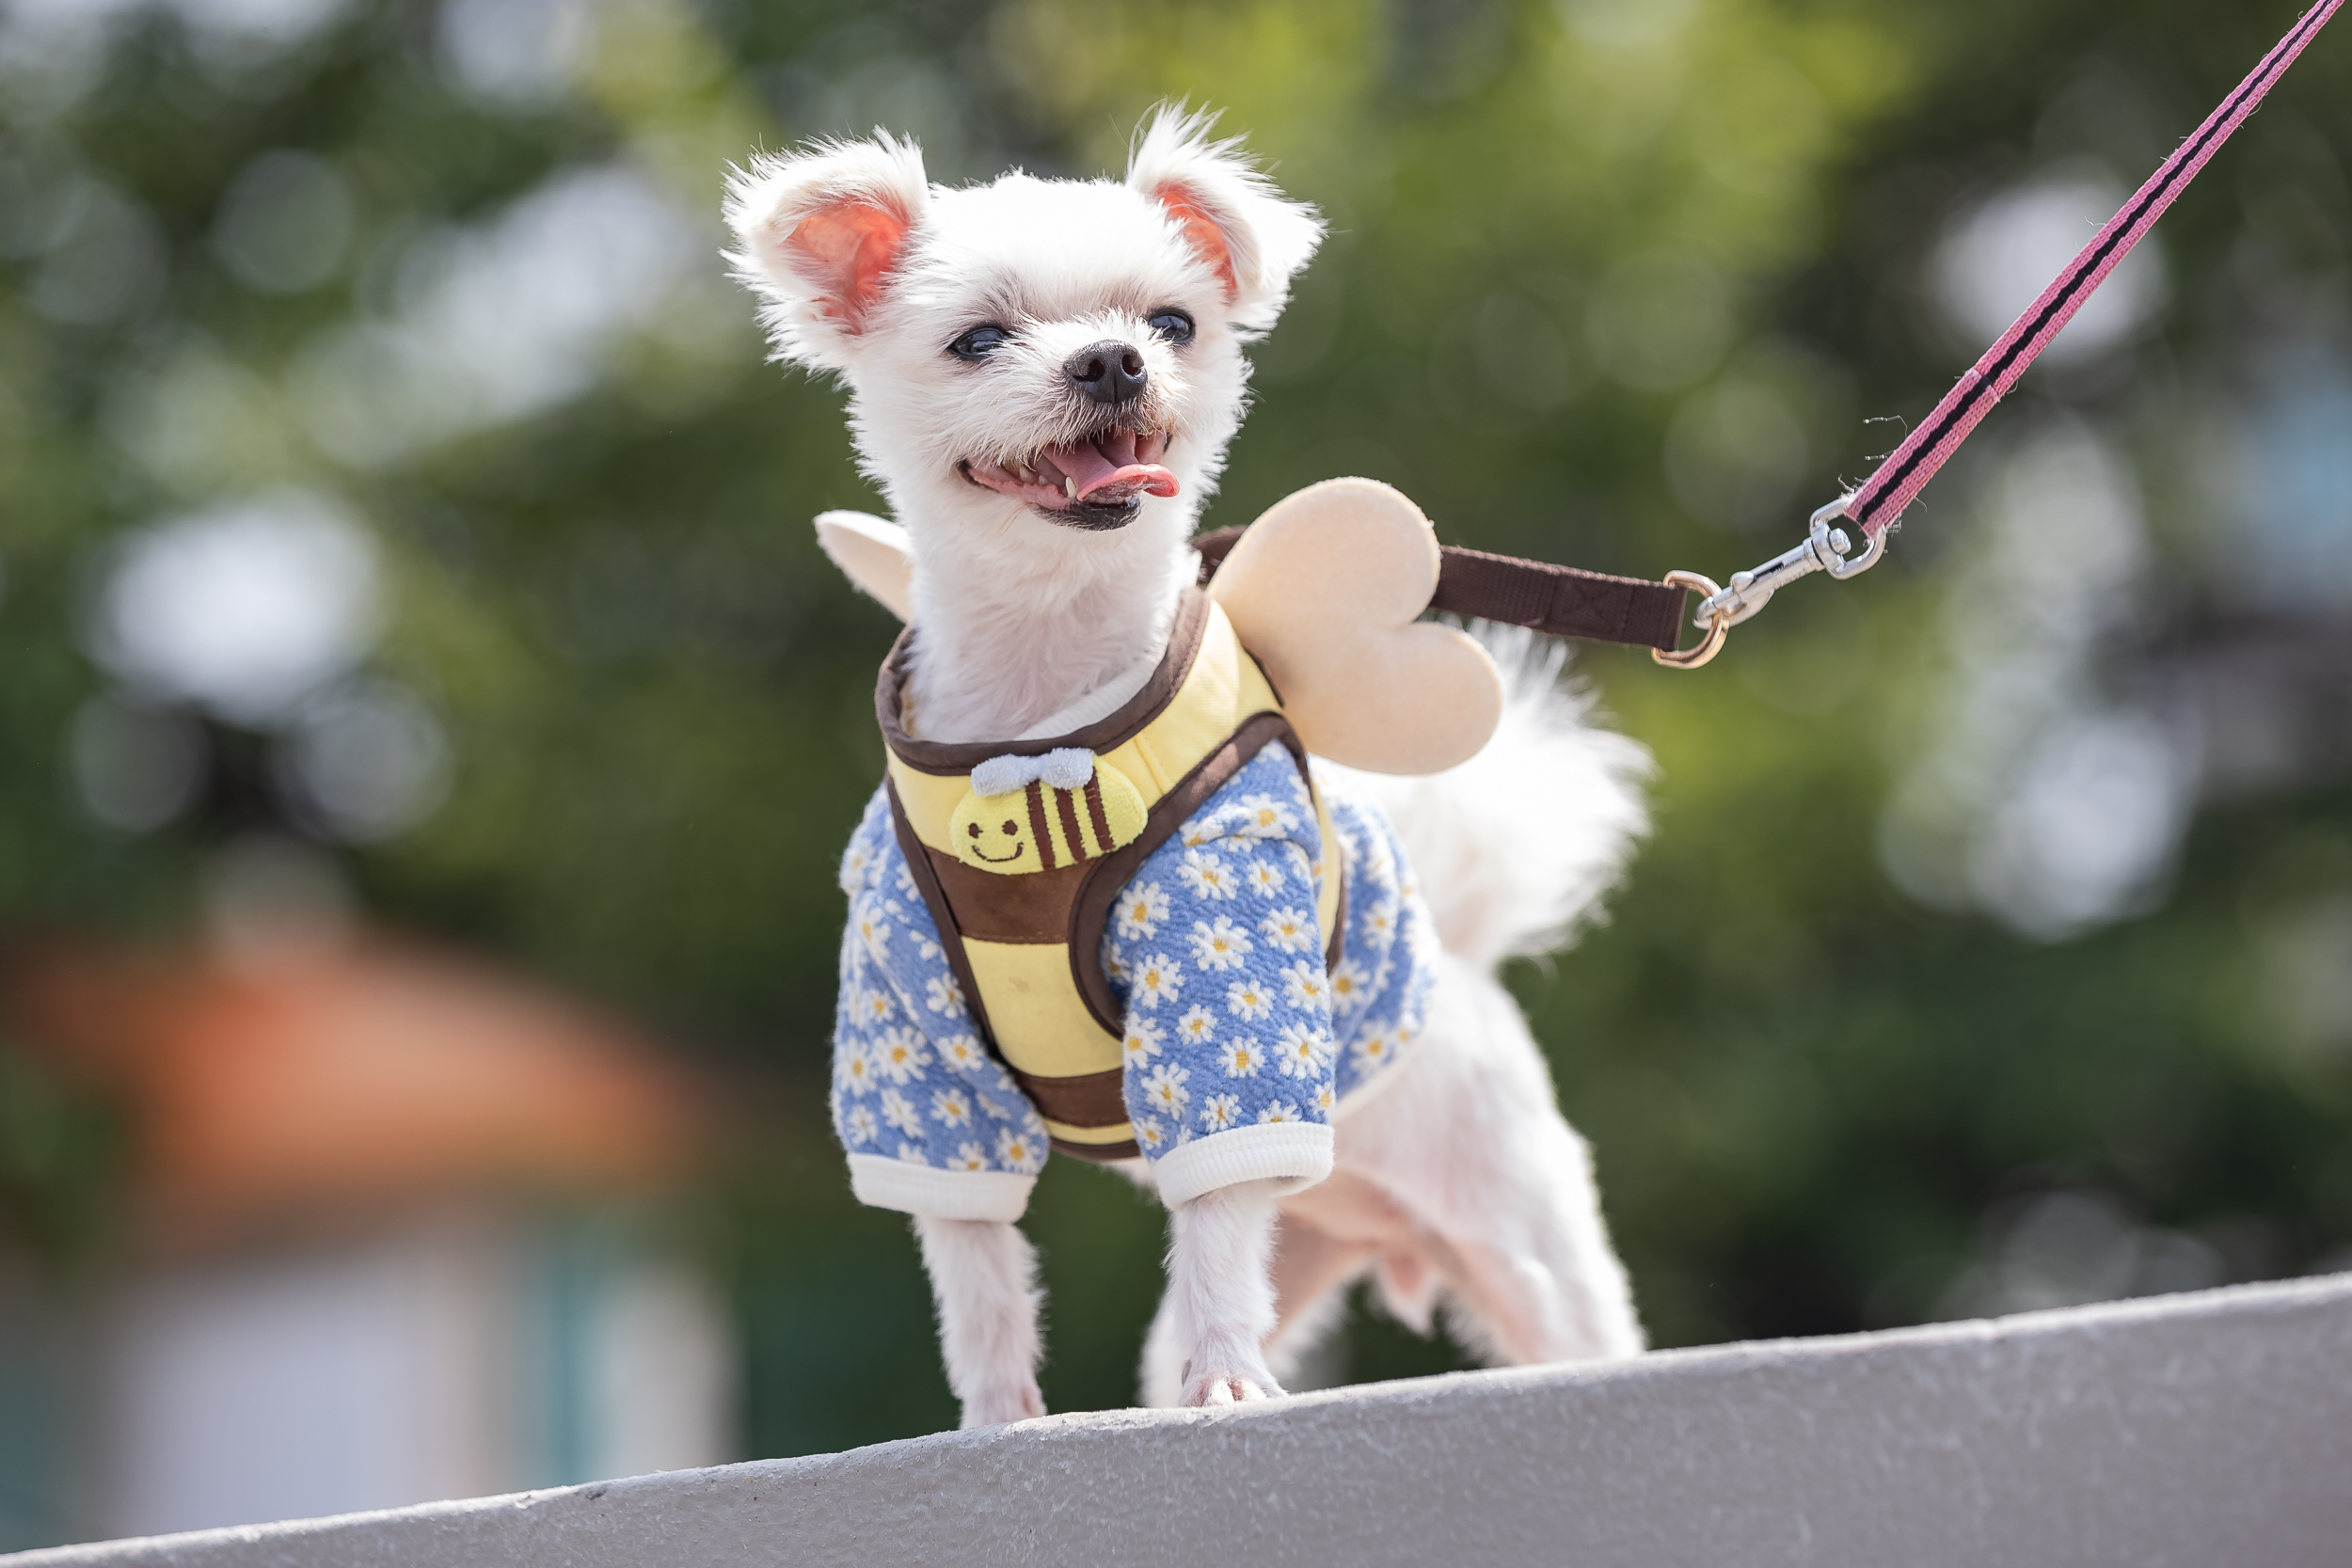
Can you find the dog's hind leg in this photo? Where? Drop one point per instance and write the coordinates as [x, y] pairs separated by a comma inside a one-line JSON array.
[[1472, 1146], [984, 1279], [1312, 1268], [1161, 1379]]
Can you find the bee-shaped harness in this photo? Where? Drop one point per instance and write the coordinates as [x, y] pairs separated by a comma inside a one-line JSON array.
[[1021, 850]]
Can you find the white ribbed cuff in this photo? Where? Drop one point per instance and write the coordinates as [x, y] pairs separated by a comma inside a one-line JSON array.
[[939, 1195], [1300, 1151]]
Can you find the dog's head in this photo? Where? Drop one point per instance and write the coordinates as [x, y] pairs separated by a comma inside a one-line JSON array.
[[1031, 352]]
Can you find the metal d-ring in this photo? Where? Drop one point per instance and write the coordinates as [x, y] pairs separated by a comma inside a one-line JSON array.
[[1718, 626]]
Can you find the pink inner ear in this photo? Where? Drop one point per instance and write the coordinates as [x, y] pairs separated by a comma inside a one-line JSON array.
[[853, 245], [1200, 232]]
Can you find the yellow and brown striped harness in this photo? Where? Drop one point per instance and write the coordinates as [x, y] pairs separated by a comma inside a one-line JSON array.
[[1021, 850]]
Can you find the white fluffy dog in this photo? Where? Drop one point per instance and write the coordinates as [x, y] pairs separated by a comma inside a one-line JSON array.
[[1043, 375]]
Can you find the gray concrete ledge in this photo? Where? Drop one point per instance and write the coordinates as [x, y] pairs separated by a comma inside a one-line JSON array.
[[2192, 1430]]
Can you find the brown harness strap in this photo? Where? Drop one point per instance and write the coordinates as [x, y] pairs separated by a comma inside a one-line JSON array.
[[1559, 601]]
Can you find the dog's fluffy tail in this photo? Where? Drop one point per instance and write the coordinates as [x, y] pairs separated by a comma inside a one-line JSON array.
[[1513, 849]]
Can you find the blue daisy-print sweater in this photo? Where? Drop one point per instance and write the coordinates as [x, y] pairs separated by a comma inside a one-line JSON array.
[[1239, 1047]]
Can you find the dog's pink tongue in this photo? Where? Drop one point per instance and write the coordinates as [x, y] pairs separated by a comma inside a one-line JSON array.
[[1091, 469]]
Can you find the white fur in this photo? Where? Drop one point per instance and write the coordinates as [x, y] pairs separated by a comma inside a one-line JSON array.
[[1471, 1184], [984, 1282], [1220, 1298], [1021, 619]]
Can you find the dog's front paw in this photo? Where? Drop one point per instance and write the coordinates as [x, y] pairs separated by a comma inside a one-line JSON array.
[[1014, 1401], [1229, 1387]]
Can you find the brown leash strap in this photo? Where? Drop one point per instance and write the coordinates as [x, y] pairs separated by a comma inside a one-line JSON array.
[[1559, 601]]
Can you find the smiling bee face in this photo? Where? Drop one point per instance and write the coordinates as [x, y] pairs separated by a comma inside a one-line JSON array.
[[991, 831], [1038, 828]]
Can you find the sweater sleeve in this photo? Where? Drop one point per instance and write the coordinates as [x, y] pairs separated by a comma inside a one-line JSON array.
[[933, 1124], [1216, 952]]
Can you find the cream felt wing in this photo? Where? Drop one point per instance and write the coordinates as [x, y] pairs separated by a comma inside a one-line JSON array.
[[1325, 590], [873, 554]]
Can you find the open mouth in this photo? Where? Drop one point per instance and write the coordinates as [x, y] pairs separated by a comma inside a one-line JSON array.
[[1096, 483]]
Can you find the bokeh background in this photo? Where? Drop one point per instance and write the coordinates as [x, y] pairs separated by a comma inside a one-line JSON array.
[[427, 726]]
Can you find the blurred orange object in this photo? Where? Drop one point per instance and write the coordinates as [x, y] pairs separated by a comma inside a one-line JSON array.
[[343, 1078]]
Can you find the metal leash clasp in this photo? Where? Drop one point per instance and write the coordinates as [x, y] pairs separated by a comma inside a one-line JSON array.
[[1827, 547]]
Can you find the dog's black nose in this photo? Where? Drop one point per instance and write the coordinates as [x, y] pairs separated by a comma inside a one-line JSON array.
[[1107, 372]]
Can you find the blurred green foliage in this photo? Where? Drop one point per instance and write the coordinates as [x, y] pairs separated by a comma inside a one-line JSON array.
[[1566, 237], [61, 1150]]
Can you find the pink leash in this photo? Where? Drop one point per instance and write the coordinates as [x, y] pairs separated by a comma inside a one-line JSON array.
[[1877, 507]]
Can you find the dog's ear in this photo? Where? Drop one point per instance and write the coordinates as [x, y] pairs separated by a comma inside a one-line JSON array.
[[1230, 213], [819, 234]]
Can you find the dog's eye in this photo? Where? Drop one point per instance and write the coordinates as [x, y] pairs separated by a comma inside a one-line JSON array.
[[979, 342], [1174, 326]]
